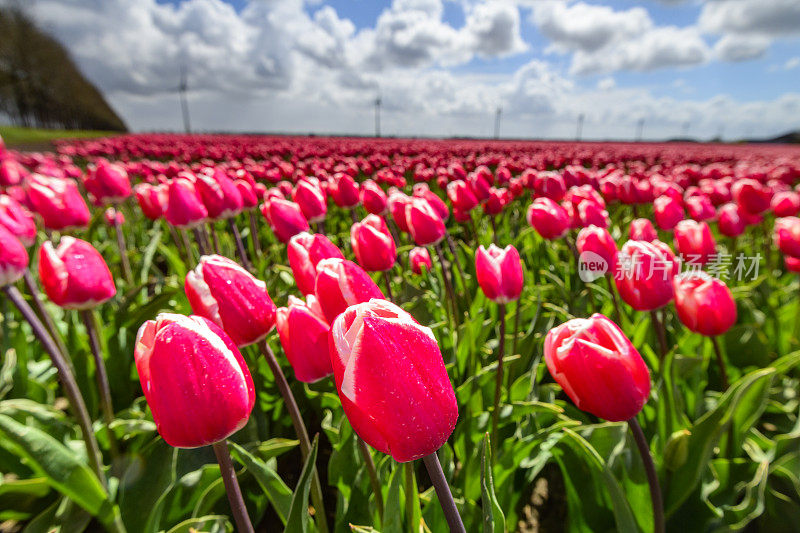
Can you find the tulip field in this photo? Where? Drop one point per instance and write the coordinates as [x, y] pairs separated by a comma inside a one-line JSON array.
[[251, 333]]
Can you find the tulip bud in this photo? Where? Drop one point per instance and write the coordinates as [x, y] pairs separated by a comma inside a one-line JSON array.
[[785, 204], [59, 202], [792, 263], [113, 217], [598, 367], [232, 298], [421, 190], [285, 218], [548, 218], [107, 183], [153, 199], [392, 381], [305, 252], [397, 203], [247, 192], [304, 337], [700, 208], [311, 199], [751, 196], [550, 185], [17, 220], [419, 257], [644, 276], [461, 196], [372, 244], [499, 273], [598, 241], [787, 235], [74, 275], [705, 304], [194, 379], [642, 230], [424, 223], [184, 207], [729, 221], [344, 191], [340, 284], [668, 212], [11, 172], [373, 198], [13, 258], [218, 194], [694, 241]]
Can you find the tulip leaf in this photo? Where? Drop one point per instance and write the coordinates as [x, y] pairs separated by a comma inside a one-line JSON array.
[[393, 514], [62, 468], [206, 524], [493, 519], [146, 485], [297, 521], [277, 492], [20, 498], [704, 435]]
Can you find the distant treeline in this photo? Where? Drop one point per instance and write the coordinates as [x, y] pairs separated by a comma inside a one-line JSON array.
[[40, 85]]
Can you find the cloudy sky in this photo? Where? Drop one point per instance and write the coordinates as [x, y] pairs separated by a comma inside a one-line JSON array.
[[442, 67]]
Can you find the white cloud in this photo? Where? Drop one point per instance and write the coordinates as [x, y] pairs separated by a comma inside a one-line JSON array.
[[606, 83], [735, 47], [765, 17], [604, 40]]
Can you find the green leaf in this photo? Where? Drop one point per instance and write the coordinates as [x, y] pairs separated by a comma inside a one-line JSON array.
[[206, 524], [20, 498], [298, 511], [493, 519], [278, 493], [393, 513], [62, 468], [145, 486]]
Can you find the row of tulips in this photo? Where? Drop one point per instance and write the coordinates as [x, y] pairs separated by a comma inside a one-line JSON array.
[[399, 384]]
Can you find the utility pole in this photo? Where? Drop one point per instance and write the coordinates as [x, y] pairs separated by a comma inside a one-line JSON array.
[[639, 129], [580, 127], [184, 103], [378, 116], [497, 115], [685, 130]]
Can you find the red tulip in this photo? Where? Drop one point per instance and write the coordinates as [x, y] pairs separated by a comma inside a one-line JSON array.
[[74, 275], [668, 212], [305, 252], [218, 193], [421, 190], [285, 218], [59, 202], [113, 217], [598, 241], [231, 297], [304, 337], [598, 367], [548, 218], [344, 191], [694, 242], [729, 221], [592, 214], [785, 204], [195, 380], [419, 257], [644, 274], [107, 183], [392, 380], [751, 196], [185, 209], [11, 172], [499, 273], [424, 223], [792, 263], [705, 304], [340, 284], [461, 196], [153, 199], [18, 220], [496, 201], [642, 230], [372, 244], [550, 185], [787, 236], [373, 198], [13, 258], [397, 207], [311, 199], [479, 185], [247, 192], [700, 208]]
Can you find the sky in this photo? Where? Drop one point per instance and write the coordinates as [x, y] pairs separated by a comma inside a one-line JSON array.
[[443, 67]]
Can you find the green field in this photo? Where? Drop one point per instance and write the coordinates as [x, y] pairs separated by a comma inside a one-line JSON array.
[[15, 136]]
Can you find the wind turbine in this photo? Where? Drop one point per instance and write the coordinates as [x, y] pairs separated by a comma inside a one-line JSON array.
[[182, 87]]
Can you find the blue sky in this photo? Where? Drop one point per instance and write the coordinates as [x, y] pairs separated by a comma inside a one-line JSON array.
[[442, 66]]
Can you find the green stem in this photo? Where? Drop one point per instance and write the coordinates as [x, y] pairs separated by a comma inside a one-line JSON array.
[[240, 516], [652, 476], [498, 385], [373, 476]]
